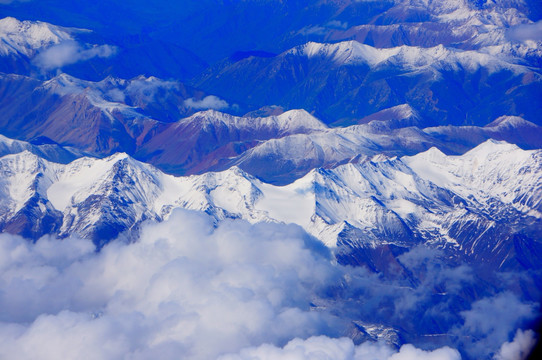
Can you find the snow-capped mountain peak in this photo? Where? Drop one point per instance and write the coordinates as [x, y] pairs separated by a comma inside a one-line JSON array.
[[409, 57], [293, 121], [25, 37], [510, 122], [383, 198], [347, 52]]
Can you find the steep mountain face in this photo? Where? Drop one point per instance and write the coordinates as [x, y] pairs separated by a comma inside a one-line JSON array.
[[25, 207], [99, 117], [141, 117], [484, 206], [200, 142], [349, 80], [332, 147]]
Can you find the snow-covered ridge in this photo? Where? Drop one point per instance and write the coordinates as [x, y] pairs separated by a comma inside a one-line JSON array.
[[288, 122], [36, 45], [110, 94], [408, 57], [386, 199], [510, 121], [300, 153], [488, 27], [25, 37], [495, 169], [347, 52]]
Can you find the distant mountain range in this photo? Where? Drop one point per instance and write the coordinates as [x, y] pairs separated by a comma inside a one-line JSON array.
[[347, 81], [141, 117]]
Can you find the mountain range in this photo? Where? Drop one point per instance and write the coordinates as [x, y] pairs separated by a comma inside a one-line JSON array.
[[482, 205], [397, 143]]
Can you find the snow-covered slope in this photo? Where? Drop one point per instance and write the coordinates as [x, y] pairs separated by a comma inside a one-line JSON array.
[[349, 80], [496, 170], [42, 147], [26, 37], [293, 156], [100, 198], [485, 26], [289, 122], [471, 205], [409, 57]]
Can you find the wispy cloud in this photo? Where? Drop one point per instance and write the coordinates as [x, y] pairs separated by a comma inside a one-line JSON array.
[[336, 24], [526, 32], [70, 52], [208, 102]]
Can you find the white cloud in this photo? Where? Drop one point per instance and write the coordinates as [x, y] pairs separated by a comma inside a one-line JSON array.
[[116, 95], [188, 287], [326, 348], [525, 32], [208, 102], [146, 89], [490, 321], [336, 24], [182, 289], [409, 352], [519, 348], [313, 30], [70, 52]]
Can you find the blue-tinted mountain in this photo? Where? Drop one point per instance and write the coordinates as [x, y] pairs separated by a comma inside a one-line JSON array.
[[42, 50], [348, 81]]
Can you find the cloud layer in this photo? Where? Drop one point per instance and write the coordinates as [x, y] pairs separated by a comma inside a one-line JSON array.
[[182, 289], [322, 347], [241, 291]]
